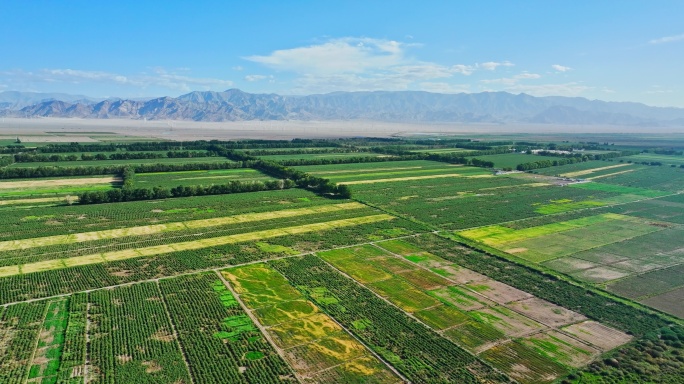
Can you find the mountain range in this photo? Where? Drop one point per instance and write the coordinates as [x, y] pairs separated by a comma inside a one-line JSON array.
[[404, 106]]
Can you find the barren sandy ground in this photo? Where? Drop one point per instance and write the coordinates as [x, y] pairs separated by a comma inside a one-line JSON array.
[[191, 130]]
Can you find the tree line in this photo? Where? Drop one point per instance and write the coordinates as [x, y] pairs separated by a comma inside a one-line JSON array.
[[301, 179], [154, 193], [569, 159], [34, 157], [52, 171]]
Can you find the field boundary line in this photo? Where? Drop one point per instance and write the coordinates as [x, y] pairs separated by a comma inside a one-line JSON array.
[[478, 359], [545, 327], [173, 330], [203, 270], [294, 220], [559, 213], [215, 241], [86, 361], [256, 322], [141, 230], [366, 347]]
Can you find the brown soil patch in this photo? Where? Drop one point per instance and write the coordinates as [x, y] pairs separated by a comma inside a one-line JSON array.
[[57, 182], [40, 360], [498, 292], [597, 334], [546, 312], [123, 359], [152, 366], [588, 171], [516, 250], [123, 273], [163, 335]]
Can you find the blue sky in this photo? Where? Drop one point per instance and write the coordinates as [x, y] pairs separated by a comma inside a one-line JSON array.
[[609, 50]]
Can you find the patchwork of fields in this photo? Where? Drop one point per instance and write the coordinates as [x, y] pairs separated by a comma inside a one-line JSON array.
[[430, 272]]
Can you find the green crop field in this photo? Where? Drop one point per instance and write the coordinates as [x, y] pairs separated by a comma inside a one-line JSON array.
[[384, 261]]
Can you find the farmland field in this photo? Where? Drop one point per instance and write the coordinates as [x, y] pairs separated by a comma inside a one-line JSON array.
[[394, 261]]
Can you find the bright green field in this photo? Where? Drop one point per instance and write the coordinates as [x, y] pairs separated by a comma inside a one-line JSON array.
[[218, 176]]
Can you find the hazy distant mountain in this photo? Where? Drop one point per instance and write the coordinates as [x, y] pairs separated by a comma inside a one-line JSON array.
[[408, 106], [17, 100]]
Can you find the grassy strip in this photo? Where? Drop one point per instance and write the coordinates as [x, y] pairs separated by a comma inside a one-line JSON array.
[[410, 178]]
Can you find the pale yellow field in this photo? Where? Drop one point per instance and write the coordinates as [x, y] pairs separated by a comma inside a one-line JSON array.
[[57, 182], [588, 171], [412, 178], [39, 200], [365, 170], [177, 226], [610, 174], [188, 245]]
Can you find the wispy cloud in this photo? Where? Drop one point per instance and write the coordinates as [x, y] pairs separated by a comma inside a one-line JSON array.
[[667, 39], [512, 80], [253, 78], [561, 68], [158, 78], [352, 63], [492, 65]]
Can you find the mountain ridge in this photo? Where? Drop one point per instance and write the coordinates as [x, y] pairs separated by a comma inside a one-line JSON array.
[[404, 106]]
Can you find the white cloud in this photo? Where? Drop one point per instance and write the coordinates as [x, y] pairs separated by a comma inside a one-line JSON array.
[[237, 68], [667, 39], [491, 65], [350, 63], [255, 77], [159, 78], [348, 55], [561, 68]]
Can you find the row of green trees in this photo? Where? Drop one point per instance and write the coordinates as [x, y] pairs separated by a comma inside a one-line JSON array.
[[50, 171], [301, 179], [569, 159], [6, 160], [36, 157], [154, 193]]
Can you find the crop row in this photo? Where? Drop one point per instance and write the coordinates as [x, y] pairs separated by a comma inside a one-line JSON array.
[[68, 249], [74, 279], [47, 221], [417, 352], [220, 343], [130, 338], [591, 304]]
